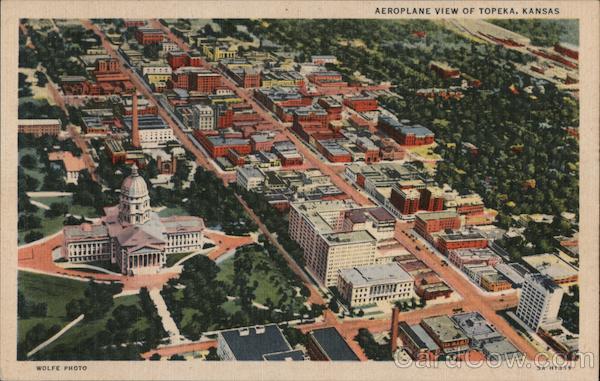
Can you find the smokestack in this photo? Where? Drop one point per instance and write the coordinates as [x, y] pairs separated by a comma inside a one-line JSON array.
[[135, 134], [394, 338]]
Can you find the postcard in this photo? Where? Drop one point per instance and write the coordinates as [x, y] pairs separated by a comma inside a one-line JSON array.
[[299, 190]]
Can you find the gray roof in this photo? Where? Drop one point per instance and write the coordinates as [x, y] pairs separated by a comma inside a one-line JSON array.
[[501, 348], [343, 238], [419, 336], [333, 344], [255, 345], [375, 274], [85, 232], [475, 326], [445, 328]]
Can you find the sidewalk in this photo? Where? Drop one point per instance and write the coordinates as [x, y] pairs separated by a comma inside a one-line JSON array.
[[167, 321]]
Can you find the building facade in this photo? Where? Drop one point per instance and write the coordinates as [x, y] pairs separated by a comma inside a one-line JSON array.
[[131, 234], [365, 285], [540, 301]]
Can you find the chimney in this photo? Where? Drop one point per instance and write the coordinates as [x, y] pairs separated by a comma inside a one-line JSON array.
[[135, 134], [173, 163], [394, 338]]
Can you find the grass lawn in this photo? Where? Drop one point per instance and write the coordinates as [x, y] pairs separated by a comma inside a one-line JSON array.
[[175, 211], [49, 225], [106, 265], [75, 209], [54, 224], [86, 329], [38, 172], [54, 291], [173, 258], [266, 273]]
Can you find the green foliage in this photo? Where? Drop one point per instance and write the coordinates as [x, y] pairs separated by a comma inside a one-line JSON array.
[[151, 51], [372, 349], [57, 209], [27, 309], [294, 336], [33, 235], [569, 309], [541, 32], [97, 300], [214, 202]]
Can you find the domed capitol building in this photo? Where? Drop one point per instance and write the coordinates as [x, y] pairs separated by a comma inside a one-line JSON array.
[[131, 234]]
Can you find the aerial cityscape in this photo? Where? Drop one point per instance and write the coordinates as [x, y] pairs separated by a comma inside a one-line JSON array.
[[298, 189]]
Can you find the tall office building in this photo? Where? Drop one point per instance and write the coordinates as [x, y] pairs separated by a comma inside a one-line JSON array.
[[540, 300]]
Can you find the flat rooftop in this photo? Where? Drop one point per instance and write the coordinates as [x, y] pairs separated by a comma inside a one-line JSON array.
[[419, 336], [375, 274], [444, 328], [333, 344], [252, 343], [475, 326], [551, 265], [146, 122], [344, 238], [437, 215]]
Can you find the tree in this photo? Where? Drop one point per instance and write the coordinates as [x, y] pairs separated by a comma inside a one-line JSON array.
[[33, 236], [212, 354], [41, 79], [151, 51], [155, 357], [28, 161], [57, 209], [28, 222]]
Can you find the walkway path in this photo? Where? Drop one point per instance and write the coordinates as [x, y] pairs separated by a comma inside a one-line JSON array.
[[39, 204], [175, 336], [56, 336], [49, 194], [85, 266]]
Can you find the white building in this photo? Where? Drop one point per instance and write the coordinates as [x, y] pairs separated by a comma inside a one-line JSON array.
[[156, 68], [168, 46], [370, 284], [540, 300], [319, 228], [153, 130], [131, 234], [249, 177], [203, 117], [342, 250]]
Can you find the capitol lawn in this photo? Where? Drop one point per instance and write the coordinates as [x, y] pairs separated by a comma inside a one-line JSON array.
[[87, 329], [56, 292]]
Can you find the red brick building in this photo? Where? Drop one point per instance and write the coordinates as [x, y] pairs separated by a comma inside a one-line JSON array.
[[361, 104], [39, 127], [459, 240], [218, 146], [148, 36], [432, 199], [406, 201], [404, 134], [178, 59], [431, 222], [333, 108], [311, 114], [207, 82]]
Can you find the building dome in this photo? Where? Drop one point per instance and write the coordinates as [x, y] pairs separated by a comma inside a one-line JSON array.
[[134, 204], [134, 186]]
